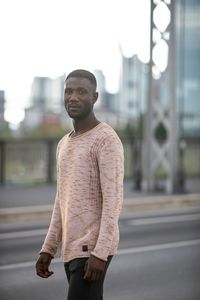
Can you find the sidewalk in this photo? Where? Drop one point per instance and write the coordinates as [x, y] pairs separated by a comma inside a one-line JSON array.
[[35, 203]]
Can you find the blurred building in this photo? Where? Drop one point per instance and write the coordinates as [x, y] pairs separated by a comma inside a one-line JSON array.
[[2, 109], [101, 88], [133, 87], [47, 93], [127, 104], [188, 66], [47, 106], [106, 106]]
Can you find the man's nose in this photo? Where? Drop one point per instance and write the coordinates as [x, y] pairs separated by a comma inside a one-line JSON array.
[[73, 97]]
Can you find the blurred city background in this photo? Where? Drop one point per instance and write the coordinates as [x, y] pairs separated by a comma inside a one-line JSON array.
[[157, 99], [146, 58]]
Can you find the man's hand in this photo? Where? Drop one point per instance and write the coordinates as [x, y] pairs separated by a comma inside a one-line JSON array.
[[94, 268], [42, 265]]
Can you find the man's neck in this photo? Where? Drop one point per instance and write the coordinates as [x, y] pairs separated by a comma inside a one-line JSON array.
[[83, 125]]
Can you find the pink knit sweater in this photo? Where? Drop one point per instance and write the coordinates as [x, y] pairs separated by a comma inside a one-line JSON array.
[[89, 195]]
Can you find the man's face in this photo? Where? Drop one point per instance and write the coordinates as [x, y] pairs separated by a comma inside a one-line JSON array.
[[79, 97]]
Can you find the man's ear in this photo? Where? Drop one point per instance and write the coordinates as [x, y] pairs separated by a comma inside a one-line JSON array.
[[96, 95]]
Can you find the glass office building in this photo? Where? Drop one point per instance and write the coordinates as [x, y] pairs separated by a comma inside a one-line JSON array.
[[188, 66]]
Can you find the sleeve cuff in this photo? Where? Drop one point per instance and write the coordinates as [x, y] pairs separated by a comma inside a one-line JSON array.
[[99, 256]]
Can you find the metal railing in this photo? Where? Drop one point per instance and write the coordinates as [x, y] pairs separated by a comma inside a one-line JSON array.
[[27, 161], [31, 161]]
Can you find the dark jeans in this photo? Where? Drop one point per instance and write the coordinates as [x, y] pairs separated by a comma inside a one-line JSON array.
[[79, 288]]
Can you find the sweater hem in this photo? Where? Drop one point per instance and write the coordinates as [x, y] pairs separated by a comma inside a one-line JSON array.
[[66, 259]]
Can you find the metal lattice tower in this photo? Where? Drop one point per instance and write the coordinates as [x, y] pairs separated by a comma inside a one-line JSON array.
[[160, 156]]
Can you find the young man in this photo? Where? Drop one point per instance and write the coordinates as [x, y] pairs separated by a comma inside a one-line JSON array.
[[89, 194]]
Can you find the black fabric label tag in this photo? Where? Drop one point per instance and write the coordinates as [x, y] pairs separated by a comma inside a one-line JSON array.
[[85, 248]]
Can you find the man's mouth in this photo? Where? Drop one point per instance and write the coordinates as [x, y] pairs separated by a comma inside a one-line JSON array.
[[73, 106]]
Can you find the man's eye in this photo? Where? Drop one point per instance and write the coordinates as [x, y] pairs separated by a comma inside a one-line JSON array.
[[68, 92], [81, 92]]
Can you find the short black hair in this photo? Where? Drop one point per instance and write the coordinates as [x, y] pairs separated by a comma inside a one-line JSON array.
[[83, 74]]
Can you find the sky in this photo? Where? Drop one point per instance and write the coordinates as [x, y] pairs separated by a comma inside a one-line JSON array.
[[53, 37]]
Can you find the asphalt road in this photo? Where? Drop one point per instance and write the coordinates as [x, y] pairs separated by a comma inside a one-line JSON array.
[[158, 259]]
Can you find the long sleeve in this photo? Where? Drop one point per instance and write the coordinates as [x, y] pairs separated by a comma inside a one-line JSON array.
[[53, 237], [111, 168]]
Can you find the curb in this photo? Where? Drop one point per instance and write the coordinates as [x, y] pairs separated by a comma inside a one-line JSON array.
[[138, 204], [162, 202], [28, 213]]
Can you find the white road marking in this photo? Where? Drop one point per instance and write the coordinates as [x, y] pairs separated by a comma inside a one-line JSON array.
[[159, 247], [23, 234], [163, 219], [131, 222], [25, 264], [120, 252]]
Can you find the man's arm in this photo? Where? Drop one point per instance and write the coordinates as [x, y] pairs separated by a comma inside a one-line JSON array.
[[53, 236], [111, 167], [51, 243]]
